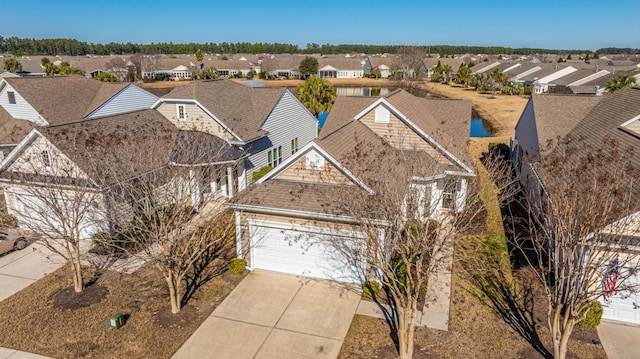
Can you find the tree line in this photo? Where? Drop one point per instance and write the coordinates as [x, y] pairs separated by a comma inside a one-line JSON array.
[[28, 46]]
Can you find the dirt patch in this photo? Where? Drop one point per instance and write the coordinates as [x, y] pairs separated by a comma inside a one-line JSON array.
[[67, 298]]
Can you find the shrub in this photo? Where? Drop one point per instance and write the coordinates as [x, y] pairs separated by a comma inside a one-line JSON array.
[[371, 290], [255, 176], [7, 220], [593, 315], [237, 266]]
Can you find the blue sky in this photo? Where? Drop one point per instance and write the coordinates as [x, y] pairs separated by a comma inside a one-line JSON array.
[[558, 24]]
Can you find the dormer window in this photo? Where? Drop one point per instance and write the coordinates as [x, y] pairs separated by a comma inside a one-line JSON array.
[[182, 112], [381, 115], [314, 161], [12, 97], [46, 158]]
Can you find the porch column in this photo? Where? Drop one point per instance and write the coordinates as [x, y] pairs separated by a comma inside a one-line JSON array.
[[231, 188], [238, 236]]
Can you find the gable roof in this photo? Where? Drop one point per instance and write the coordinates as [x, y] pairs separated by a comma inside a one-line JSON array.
[[243, 109], [64, 99], [557, 115], [444, 121], [119, 147]]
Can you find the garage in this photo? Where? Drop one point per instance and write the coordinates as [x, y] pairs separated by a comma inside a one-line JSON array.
[[623, 306], [302, 250]]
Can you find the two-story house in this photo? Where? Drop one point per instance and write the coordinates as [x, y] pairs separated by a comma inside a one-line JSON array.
[[368, 146], [269, 125]]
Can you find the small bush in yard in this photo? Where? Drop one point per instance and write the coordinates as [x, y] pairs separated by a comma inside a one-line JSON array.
[[371, 290], [237, 266], [593, 317]]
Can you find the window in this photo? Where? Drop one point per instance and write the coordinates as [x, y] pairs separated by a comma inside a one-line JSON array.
[[46, 158], [274, 157], [381, 115], [294, 145], [449, 186], [12, 97], [182, 112]]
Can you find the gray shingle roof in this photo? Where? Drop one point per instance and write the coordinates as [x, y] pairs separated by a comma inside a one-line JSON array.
[[243, 109], [64, 99]]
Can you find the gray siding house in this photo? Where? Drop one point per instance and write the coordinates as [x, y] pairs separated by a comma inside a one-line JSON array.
[[267, 124]]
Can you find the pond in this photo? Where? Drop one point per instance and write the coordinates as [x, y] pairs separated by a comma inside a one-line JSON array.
[[478, 126]]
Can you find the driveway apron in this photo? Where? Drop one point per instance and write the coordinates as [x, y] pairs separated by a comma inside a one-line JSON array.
[[270, 315]]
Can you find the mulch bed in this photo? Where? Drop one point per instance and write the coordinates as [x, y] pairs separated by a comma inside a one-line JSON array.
[[49, 318]]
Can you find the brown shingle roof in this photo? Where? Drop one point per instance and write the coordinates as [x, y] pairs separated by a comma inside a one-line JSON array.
[[556, 115], [12, 131], [299, 196], [241, 108], [115, 148], [64, 99]]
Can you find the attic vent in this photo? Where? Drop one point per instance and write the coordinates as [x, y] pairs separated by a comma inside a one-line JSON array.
[[314, 161], [382, 115]]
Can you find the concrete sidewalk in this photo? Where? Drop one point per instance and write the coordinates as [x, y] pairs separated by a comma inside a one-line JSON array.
[[19, 269], [620, 341], [15, 354], [270, 315]]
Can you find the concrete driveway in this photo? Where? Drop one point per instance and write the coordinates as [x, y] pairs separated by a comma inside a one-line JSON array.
[[271, 315], [620, 341], [18, 269]]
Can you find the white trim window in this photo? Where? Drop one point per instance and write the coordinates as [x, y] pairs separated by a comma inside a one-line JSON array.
[[11, 96], [274, 156], [181, 112], [45, 156], [294, 145]]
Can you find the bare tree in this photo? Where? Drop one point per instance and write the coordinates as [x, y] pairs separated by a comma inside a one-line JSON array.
[[407, 69], [580, 230], [161, 223], [408, 228], [55, 200]]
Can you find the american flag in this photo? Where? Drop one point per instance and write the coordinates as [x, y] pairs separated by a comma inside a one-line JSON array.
[[610, 280]]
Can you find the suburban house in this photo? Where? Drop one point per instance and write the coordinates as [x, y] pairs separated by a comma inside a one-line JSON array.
[[553, 121], [380, 65], [268, 124], [29, 102], [367, 146], [52, 101], [87, 171], [427, 64], [340, 67]]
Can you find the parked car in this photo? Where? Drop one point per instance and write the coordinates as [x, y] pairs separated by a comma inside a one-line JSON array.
[[12, 238]]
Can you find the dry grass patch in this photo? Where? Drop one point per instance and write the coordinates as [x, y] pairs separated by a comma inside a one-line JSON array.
[[33, 322]]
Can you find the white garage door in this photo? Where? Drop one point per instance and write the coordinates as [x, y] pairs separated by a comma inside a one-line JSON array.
[[302, 251], [624, 306]]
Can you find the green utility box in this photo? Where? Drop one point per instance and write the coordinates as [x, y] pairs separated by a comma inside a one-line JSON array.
[[117, 321]]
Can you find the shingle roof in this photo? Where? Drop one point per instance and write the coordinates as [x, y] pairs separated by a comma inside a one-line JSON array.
[[64, 99], [243, 109], [299, 196], [119, 147], [12, 131], [557, 115]]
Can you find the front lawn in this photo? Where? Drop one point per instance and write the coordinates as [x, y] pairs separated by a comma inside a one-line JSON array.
[[33, 321]]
